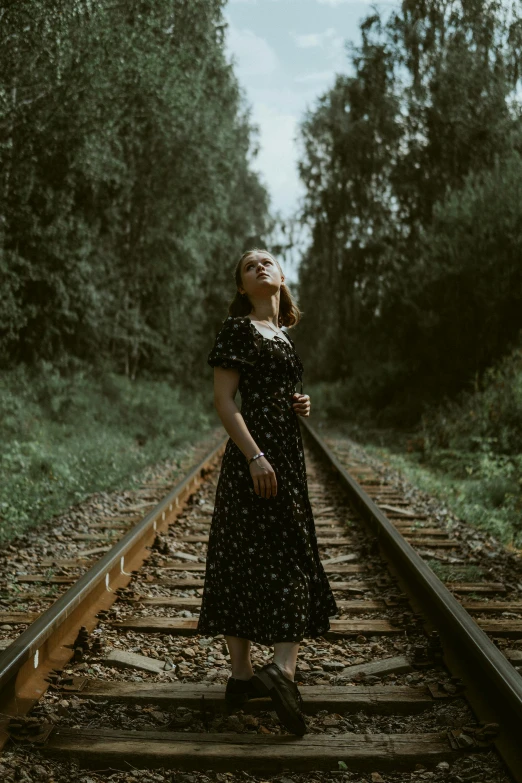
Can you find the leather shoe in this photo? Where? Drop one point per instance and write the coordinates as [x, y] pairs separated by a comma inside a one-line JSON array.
[[238, 692], [285, 696]]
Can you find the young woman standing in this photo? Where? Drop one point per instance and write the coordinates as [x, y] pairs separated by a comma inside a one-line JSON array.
[[264, 580]]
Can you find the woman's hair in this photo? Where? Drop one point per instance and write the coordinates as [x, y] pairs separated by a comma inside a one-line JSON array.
[[289, 313]]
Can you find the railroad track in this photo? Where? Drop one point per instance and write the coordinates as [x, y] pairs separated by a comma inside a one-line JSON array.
[[110, 672]]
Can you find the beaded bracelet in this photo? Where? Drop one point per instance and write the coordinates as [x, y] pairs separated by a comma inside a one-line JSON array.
[[256, 456]]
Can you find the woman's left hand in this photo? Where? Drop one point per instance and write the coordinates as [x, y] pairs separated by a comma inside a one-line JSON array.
[[302, 405]]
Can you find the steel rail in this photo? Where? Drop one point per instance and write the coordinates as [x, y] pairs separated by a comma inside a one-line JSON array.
[[47, 642], [493, 686]]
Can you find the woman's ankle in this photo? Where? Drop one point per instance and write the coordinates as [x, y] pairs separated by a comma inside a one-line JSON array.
[[288, 673], [242, 674]]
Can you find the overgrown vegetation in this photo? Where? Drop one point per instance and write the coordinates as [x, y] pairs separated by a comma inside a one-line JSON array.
[[126, 193], [467, 451], [126, 187], [64, 438], [486, 419], [456, 573], [412, 284]]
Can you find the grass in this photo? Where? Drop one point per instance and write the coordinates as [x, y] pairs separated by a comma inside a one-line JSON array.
[[476, 489], [484, 497], [467, 451], [480, 491], [64, 438], [455, 573], [477, 483]]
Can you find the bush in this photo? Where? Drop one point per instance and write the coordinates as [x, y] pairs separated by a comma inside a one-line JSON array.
[[487, 419], [65, 436]]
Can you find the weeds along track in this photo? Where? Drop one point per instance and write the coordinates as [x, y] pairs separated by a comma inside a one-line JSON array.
[[102, 664]]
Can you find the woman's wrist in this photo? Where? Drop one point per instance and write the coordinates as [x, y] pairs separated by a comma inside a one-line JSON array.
[[255, 456]]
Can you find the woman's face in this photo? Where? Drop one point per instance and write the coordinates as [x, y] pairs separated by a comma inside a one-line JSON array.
[[260, 275]]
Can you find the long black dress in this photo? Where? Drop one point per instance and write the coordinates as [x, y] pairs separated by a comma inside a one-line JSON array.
[[264, 579]]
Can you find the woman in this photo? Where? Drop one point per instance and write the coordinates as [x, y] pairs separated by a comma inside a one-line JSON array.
[[264, 580]]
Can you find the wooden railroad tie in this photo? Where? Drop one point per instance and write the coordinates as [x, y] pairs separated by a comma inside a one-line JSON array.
[[371, 699], [256, 753], [193, 602], [346, 606]]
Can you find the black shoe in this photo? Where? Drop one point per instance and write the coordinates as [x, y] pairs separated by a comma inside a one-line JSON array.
[[238, 692], [285, 696]]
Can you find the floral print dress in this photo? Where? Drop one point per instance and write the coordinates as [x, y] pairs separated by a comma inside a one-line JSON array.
[[264, 579]]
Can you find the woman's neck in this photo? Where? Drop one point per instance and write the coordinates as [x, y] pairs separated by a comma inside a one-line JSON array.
[[267, 318]]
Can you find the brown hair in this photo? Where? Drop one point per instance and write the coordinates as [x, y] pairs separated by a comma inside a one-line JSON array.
[[289, 313]]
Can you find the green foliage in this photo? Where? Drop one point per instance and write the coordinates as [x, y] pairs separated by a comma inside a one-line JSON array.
[[486, 420], [66, 437], [126, 191], [486, 498], [456, 573], [125, 183], [412, 283], [466, 451], [476, 438]]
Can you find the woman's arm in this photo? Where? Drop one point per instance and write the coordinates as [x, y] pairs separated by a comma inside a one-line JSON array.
[[226, 382]]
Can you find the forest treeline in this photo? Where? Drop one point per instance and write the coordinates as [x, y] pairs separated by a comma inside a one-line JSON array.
[[127, 194], [126, 190], [412, 283]]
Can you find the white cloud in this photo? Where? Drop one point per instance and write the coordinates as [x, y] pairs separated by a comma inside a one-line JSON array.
[[278, 93], [314, 40], [277, 159], [255, 56], [292, 100], [315, 77], [275, 110], [329, 41]]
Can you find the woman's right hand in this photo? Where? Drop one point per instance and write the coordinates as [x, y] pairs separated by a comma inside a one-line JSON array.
[[264, 477]]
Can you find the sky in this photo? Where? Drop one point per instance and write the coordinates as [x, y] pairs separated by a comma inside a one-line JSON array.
[[286, 54]]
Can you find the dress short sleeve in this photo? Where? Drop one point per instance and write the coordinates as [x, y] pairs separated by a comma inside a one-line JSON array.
[[235, 346]]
